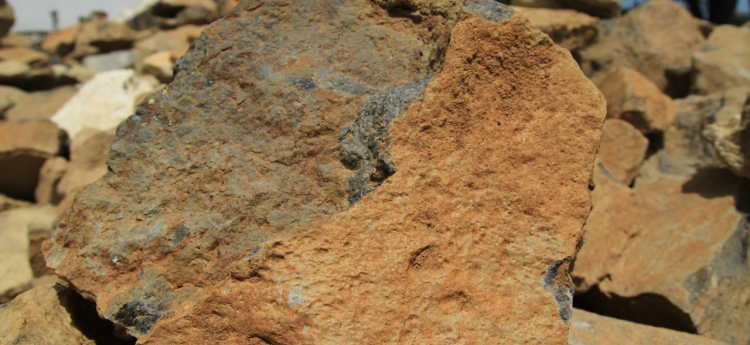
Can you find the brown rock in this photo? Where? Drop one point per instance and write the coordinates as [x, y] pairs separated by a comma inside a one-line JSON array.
[[635, 99], [570, 29], [468, 242], [15, 270], [61, 42], [178, 39], [175, 13], [226, 6], [49, 178], [24, 147], [40, 105], [7, 17], [39, 268], [656, 39], [160, 65], [666, 253], [724, 60], [100, 36], [7, 203], [88, 160], [9, 96], [622, 150], [592, 329], [16, 40], [30, 57], [25, 68], [729, 135]]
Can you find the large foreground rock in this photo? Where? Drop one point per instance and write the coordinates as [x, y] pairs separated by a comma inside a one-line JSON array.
[[340, 186], [592, 329], [671, 252]]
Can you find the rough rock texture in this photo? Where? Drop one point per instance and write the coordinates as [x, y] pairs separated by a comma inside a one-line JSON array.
[[15, 269], [346, 186], [9, 96], [49, 177], [570, 29], [724, 60], [656, 39], [103, 102], [622, 151], [88, 155], [41, 105], [592, 329], [24, 147], [53, 315], [729, 134], [672, 252], [634, 98], [7, 18]]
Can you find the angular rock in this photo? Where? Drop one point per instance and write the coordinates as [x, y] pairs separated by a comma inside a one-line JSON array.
[[592, 329], [174, 13], [160, 65], [656, 39], [31, 57], [598, 8], [570, 29], [99, 36], [15, 270], [364, 185], [226, 6], [634, 98], [61, 42], [729, 135], [103, 102], [24, 147], [53, 315], [669, 252], [7, 17], [119, 59], [49, 177], [723, 62], [17, 40], [72, 74], [40, 105], [39, 269], [178, 39], [25, 68], [88, 160], [622, 150], [139, 16], [9, 96]]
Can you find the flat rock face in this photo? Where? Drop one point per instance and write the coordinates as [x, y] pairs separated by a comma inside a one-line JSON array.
[[723, 62], [570, 29], [341, 174], [40, 105], [622, 151], [592, 329], [700, 281]]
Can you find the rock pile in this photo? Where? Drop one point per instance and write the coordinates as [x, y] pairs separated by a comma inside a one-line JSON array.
[[372, 171]]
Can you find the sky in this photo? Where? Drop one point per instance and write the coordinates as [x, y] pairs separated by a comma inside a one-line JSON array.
[[34, 15]]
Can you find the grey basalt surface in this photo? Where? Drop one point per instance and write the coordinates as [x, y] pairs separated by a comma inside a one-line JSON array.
[[274, 121]]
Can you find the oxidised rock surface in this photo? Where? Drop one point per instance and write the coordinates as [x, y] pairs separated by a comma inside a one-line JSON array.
[[338, 173]]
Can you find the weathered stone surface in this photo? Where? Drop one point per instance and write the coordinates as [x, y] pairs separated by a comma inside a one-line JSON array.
[[174, 13], [599, 8], [669, 252], [15, 270], [570, 29], [364, 185], [49, 177], [723, 62], [656, 39], [103, 102], [592, 329], [53, 315], [61, 42], [160, 65], [9, 96], [729, 134], [41, 105], [622, 150], [119, 59], [634, 98], [7, 17], [99, 36], [24, 147], [88, 155]]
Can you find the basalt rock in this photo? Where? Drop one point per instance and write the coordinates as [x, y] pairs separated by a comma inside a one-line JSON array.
[[345, 172]]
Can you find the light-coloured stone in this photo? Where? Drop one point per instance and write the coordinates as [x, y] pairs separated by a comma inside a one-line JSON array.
[[61, 42], [15, 269], [7, 203], [24, 147], [655, 39], [226, 6], [160, 65], [17, 40], [7, 17], [592, 329], [99, 36], [9, 96], [119, 59], [31, 57], [634, 98], [88, 160], [570, 29], [49, 177], [622, 150], [729, 134], [103, 102], [599, 8], [40, 105], [178, 39], [724, 60], [188, 12]]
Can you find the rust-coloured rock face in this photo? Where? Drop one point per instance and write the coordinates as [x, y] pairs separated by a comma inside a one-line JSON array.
[[342, 174], [622, 151]]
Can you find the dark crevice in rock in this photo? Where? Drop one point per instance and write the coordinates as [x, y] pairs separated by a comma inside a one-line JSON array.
[[650, 309], [655, 143], [86, 319], [19, 182]]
